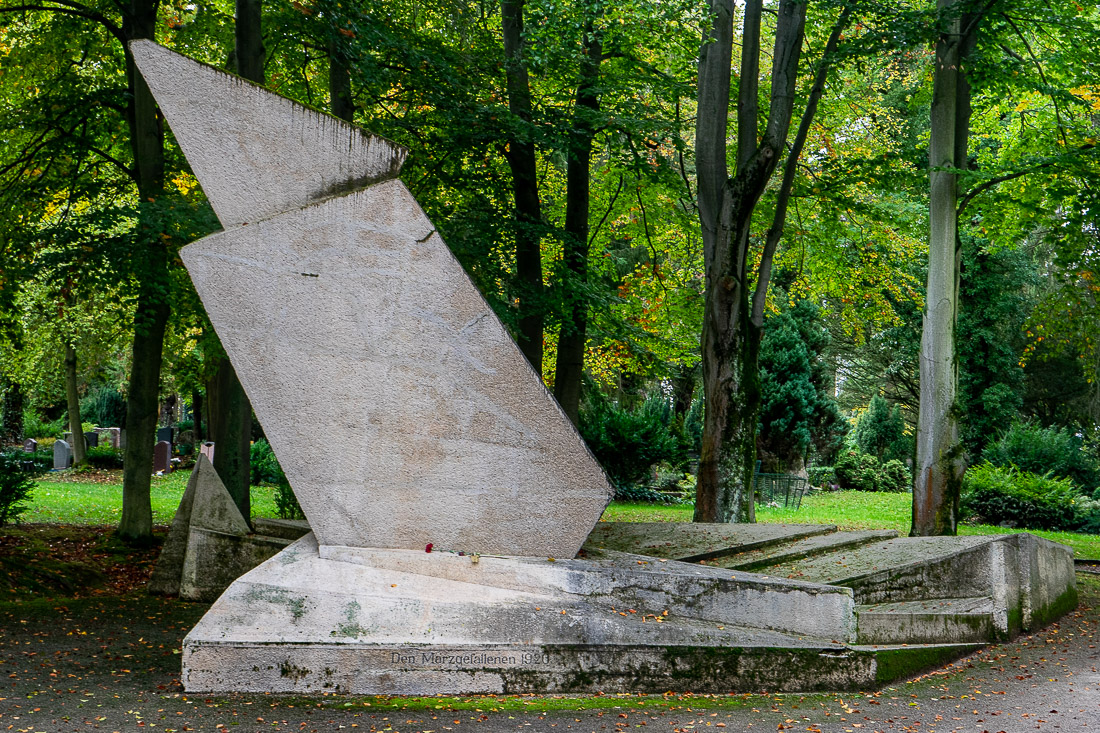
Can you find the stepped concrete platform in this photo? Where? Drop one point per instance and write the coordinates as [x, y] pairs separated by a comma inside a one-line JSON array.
[[694, 542], [809, 547]]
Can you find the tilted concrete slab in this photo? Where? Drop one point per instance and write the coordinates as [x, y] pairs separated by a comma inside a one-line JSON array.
[[932, 621], [693, 542], [809, 547]]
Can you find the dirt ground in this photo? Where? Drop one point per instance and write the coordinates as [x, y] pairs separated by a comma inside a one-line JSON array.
[[108, 659]]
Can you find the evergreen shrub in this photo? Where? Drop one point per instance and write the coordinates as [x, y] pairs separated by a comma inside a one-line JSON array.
[[104, 457], [265, 468], [999, 494], [895, 476], [627, 443], [34, 426], [16, 484], [1056, 451]]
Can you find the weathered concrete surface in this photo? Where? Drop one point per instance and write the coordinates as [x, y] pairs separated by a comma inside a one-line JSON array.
[[693, 542], [350, 317], [809, 547], [258, 154], [933, 621], [166, 576]]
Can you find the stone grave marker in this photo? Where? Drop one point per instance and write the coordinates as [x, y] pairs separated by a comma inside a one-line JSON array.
[[207, 449], [110, 436], [62, 454], [91, 439], [164, 434], [30, 445], [162, 457]]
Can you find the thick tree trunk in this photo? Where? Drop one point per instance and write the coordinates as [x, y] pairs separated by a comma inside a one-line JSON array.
[[249, 41], [731, 336], [525, 189], [72, 403], [230, 412], [940, 460], [572, 338], [196, 416], [151, 314], [339, 85]]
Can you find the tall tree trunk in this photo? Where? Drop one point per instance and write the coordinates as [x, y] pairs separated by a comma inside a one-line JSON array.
[[151, 313], [196, 415], [732, 327], [229, 408], [569, 369], [525, 189], [72, 403], [11, 412], [940, 459], [231, 429], [339, 85]]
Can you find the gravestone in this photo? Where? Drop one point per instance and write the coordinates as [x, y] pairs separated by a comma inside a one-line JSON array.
[[207, 449], [110, 436], [162, 457], [62, 454], [164, 434], [91, 439], [30, 445]]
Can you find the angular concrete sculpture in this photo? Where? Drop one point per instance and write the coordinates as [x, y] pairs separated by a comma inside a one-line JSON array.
[[446, 552]]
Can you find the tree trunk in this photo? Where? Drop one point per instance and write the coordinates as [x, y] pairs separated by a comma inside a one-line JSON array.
[[525, 190], [731, 333], [230, 413], [249, 41], [196, 415], [940, 460], [572, 337], [72, 402], [339, 85], [151, 313], [11, 413], [683, 391]]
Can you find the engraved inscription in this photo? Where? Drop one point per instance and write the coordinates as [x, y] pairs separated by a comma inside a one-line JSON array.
[[437, 658]]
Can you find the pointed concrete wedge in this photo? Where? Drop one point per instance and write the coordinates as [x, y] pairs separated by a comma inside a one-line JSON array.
[[166, 576], [214, 509], [400, 408], [258, 154]]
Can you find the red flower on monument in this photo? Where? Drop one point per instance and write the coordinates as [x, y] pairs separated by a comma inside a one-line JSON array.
[[428, 548]]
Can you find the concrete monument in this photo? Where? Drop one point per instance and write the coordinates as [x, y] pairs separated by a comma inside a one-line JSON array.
[[446, 546]]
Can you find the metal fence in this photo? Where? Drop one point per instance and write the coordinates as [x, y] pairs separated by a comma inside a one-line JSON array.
[[780, 489]]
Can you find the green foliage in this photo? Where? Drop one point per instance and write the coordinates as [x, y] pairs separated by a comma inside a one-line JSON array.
[[105, 406], [863, 472], [1006, 494], [104, 457], [881, 431], [16, 484], [627, 443], [35, 426], [1056, 451], [265, 466], [286, 503]]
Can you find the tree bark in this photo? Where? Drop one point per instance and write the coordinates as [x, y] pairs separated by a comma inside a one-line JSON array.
[[151, 313], [72, 403], [572, 338], [249, 41], [230, 413], [196, 415], [525, 190], [731, 338], [11, 412], [937, 481], [339, 85]]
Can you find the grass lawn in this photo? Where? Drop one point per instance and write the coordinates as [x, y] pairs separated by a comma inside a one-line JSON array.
[[95, 497], [847, 510]]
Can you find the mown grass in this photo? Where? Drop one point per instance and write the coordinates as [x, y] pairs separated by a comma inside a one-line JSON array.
[[95, 497], [847, 510]]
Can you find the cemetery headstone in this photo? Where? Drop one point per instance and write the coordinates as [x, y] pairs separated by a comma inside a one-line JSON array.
[[207, 450], [164, 434], [30, 445], [62, 454], [162, 457], [91, 439], [108, 437]]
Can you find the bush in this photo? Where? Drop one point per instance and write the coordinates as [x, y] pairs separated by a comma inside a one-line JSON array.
[[105, 406], [104, 457], [286, 503], [998, 495], [1041, 450], [856, 470], [881, 431], [895, 476], [627, 443], [16, 484], [822, 476], [265, 468], [36, 427]]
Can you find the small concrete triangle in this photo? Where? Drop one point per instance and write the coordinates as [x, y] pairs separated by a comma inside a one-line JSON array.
[[166, 576], [214, 509], [258, 154]]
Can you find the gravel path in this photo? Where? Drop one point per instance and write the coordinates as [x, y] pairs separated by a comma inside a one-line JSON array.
[[111, 663]]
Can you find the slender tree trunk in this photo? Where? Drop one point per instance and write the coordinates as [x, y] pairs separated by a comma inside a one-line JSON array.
[[940, 459], [72, 402], [525, 189], [249, 41], [339, 85], [230, 412], [196, 415], [683, 391], [731, 332], [11, 413], [572, 338], [151, 313]]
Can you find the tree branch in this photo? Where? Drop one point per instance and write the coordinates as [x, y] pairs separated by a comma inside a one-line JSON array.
[[74, 9]]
